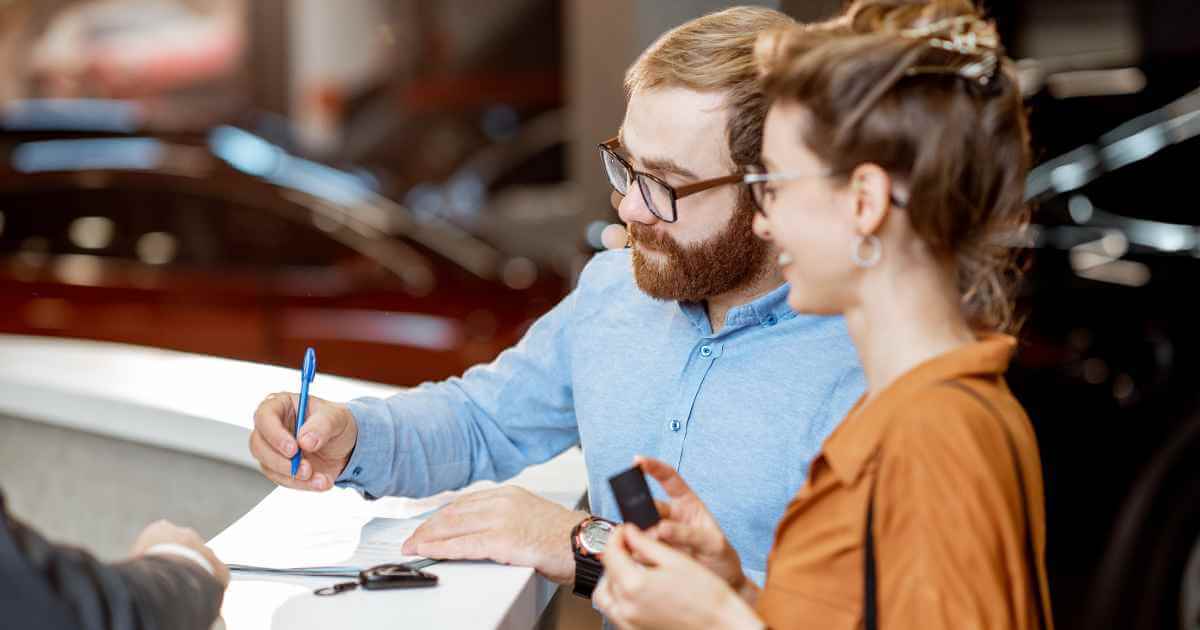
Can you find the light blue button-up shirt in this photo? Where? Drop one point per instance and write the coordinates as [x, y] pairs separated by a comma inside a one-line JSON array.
[[740, 413]]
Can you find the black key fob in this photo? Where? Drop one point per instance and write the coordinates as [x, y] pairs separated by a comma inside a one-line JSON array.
[[633, 498], [387, 576]]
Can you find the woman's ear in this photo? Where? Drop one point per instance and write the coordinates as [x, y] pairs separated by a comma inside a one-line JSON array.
[[871, 190]]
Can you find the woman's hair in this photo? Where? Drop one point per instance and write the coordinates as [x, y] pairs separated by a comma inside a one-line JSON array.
[[923, 90]]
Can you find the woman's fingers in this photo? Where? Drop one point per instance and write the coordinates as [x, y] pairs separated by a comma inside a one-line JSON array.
[[645, 546], [692, 539], [666, 476]]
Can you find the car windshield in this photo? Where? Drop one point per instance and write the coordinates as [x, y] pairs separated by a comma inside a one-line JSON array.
[[156, 227]]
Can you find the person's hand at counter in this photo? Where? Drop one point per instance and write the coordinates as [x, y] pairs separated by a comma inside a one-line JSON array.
[[508, 525], [327, 440], [688, 526], [168, 539], [664, 588]]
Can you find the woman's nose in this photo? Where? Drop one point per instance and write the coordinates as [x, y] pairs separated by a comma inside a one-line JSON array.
[[762, 226]]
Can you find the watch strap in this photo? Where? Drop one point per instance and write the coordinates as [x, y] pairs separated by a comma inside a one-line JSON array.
[[587, 575]]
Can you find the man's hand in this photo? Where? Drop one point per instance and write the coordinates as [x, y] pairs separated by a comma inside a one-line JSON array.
[[327, 439], [165, 532], [508, 525], [688, 526]]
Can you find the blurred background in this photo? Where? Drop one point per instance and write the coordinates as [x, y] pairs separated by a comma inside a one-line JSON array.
[[407, 184]]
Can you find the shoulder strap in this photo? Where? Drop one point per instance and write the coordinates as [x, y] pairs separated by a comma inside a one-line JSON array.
[[870, 589]]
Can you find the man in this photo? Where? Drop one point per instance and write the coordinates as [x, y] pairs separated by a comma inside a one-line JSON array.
[[681, 347], [171, 581]]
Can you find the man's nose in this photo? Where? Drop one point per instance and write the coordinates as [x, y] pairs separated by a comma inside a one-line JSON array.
[[632, 208]]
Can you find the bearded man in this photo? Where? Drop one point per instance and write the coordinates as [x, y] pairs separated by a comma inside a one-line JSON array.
[[680, 347]]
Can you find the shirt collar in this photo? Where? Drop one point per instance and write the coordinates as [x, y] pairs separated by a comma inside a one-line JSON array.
[[857, 438], [769, 308]]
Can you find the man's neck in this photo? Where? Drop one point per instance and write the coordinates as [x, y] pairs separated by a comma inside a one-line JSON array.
[[719, 305]]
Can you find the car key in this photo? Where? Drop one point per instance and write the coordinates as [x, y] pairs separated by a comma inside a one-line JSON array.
[[633, 498], [383, 577]]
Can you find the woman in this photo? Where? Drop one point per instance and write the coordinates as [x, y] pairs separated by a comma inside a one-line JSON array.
[[896, 154]]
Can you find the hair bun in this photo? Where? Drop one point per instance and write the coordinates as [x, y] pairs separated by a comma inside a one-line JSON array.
[[896, 16], [964, 43]]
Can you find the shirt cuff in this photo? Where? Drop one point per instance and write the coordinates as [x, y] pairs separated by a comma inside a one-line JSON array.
[[175, 549], [371, 462]]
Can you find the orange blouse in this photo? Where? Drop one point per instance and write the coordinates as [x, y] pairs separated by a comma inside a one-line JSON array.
[[949, 529]]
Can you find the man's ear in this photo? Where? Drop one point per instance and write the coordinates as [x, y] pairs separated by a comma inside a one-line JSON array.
[[871, 190]]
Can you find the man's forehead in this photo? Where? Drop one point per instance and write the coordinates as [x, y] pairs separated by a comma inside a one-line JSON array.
[[678, 124]]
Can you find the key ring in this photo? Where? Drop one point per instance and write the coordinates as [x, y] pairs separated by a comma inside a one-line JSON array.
[[342, 587]]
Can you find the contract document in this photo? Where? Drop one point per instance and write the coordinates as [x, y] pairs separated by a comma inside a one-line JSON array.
[[330, 534]]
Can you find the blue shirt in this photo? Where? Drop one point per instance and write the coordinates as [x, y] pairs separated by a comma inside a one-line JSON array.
[[740, 413]]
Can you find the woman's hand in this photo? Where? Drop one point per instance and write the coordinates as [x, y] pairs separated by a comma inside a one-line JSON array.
[[670, 590], [688, 526]]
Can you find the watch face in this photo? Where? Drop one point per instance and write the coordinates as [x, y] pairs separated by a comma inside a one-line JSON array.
[[594, 536]]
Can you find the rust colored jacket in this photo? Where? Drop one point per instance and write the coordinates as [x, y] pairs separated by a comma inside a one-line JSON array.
[[950, 533]]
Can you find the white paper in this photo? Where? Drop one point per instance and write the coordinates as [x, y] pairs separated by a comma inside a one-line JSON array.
[[380, 541], [345, 537]]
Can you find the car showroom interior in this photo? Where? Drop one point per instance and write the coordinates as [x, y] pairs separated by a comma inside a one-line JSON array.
[[413, 226]]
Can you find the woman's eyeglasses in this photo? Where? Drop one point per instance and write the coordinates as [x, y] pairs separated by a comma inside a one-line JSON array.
[[757, 180]]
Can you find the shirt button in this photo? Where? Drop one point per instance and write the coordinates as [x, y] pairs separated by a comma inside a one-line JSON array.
[[675, 426], [771, 320], [705, 351], [357, 470]]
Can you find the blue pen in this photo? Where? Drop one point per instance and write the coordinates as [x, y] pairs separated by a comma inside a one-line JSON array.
[[306, 376]]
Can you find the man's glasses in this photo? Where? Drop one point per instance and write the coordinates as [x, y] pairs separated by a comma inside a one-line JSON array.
[[660, 197]]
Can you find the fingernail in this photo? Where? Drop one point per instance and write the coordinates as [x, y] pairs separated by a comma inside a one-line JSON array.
[[409, 548], [308, 442], [320, 482], [288, 448], [304, 471]]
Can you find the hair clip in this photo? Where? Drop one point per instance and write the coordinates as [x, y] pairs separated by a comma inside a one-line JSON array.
[[959, 35], [964, 36], [981, 71]]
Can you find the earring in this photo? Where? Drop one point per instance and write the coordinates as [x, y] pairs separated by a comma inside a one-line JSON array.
[[875, 248]]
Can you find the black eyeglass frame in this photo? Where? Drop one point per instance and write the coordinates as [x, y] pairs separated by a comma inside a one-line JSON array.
[[610, 146]]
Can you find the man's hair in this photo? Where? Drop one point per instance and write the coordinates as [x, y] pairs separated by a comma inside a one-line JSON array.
[[715, 53]]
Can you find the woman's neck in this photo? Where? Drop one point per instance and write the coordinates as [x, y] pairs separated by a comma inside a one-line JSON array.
[[905, 315]]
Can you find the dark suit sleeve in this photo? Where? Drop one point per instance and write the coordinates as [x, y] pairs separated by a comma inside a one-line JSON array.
[[45, 586]]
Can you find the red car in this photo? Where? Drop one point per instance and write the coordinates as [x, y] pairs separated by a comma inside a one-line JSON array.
[[225, 244]]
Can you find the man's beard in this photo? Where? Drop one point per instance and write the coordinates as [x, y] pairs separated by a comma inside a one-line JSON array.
[[731, 260]]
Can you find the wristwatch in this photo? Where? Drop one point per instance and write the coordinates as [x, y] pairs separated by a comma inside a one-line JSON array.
[[588, 540]]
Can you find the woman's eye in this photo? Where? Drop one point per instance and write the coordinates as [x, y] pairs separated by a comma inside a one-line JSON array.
[[769, 193]]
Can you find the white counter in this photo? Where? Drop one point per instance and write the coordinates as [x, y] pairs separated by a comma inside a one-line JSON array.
[[204, 406]]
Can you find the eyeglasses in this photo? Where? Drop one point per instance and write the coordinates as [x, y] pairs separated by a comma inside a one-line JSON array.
[[660, 197], [757, 181]]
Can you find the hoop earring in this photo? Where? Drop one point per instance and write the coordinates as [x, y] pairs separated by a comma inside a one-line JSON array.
[[872, 258]]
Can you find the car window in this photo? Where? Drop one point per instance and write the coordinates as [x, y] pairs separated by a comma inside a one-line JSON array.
[[162, 228]]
